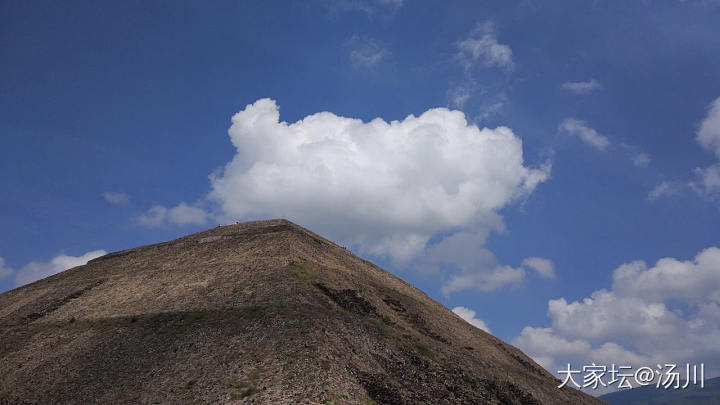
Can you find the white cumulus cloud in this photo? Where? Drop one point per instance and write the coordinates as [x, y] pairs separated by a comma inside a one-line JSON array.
[[666, 313], [384, 187], [581, 87], [582, 130], [37, 269], [693, 281], [469, 316]]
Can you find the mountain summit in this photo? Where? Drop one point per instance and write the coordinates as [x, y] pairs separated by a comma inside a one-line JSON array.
[[259, 312]]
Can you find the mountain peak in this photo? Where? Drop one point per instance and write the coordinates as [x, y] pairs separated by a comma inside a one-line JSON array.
[[263, 311]]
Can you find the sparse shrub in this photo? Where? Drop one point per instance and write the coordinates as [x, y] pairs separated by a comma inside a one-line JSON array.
[[248, 392], [305, 273], [190, 384], [235, 395], [133, 319], [424, 350], [247, 387], [253, 309], [72, 319], [381, 326], [254, 376]]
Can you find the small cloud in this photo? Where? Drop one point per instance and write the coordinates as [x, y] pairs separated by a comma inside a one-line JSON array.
[[708, 135], [581, 87], [372, 8], [477, 267], [116, 198], [543, 267], [664, 189], [708, 182], [641, 160], [37, 270], [482, 47], [155, 216], [391, 3], [483, 279], [181, 214], [582, 130], [469, 316], [365, 53], [4, 269]]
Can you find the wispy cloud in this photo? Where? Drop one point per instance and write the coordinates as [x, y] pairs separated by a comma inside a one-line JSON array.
[[581, 87], [365, 53], [641, 160], [665, 189], [459, 94], [481, 47], [490, 110], [116, 198], [5, 271], [372, 8], [582, 130], [181, 214]]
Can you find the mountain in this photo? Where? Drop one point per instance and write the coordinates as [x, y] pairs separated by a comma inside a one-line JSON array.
[[260, 312], [649, 395]]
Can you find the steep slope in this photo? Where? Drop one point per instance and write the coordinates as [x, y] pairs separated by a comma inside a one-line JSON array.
[[263, 312]]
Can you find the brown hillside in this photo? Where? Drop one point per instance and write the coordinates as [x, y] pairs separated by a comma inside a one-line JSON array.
[[260, 312]]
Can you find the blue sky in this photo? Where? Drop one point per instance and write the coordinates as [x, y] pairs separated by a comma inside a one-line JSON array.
[[114, 115]]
